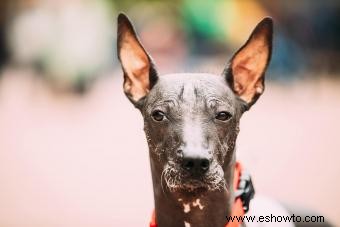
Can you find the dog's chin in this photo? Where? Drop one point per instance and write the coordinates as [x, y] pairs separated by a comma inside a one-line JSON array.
[[177, 181]]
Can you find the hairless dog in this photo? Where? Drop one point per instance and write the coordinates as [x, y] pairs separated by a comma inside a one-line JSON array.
[[191, 122]]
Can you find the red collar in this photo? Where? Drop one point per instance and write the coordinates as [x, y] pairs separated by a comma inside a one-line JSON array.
[[237, 209]]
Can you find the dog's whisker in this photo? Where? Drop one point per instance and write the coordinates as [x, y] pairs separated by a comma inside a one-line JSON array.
[[162, 179]]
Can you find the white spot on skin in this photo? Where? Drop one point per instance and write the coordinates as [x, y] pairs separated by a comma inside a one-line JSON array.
[[198, 203], [186, 207], [187, 224]]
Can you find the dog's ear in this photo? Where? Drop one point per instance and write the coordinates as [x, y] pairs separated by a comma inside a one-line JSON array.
[[139, 72], [245, 73]]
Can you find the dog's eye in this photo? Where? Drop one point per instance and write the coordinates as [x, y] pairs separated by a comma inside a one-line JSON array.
[[223, 116], [158, 115]]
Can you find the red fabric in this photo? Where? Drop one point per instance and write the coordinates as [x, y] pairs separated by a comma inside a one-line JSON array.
[[237, 209], [153, 220]]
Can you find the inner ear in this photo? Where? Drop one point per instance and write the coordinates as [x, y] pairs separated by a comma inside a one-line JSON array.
[[247, 67], [139, 72]]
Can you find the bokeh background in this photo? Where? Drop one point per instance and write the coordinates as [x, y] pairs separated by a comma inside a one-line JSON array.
[[72, 149]]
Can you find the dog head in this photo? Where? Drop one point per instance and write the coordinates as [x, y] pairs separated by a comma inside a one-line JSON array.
[[191, 120]]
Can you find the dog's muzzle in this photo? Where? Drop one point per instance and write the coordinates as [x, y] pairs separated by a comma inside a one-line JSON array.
[[193, 175]]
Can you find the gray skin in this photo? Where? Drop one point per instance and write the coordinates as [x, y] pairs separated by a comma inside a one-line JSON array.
[[191, 102], [191, 123]]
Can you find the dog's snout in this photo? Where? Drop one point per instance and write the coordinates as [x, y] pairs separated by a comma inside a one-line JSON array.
[[196, 165]]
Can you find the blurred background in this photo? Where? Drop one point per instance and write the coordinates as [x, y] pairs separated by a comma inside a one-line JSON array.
[[72, 148]]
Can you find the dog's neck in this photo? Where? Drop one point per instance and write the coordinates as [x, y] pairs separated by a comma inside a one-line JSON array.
[[207, 209]]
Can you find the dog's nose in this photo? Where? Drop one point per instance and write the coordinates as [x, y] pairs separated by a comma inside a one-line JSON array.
[[195, 165]]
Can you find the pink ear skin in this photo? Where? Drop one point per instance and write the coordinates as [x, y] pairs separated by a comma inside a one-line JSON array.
[[139, 74], [245, 74]]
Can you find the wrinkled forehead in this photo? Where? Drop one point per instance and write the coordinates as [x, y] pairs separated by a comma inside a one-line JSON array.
[[191, 90]]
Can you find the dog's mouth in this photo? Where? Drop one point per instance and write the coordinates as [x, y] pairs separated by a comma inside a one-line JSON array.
[[174, 179]]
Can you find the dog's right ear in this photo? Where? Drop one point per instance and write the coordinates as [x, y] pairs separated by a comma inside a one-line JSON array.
[[139, 72]]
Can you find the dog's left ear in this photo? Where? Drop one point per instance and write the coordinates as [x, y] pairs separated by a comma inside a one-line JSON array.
[[245, 73], [139, 72]]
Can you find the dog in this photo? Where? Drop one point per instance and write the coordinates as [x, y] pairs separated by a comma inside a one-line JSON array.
[[191, 122]]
